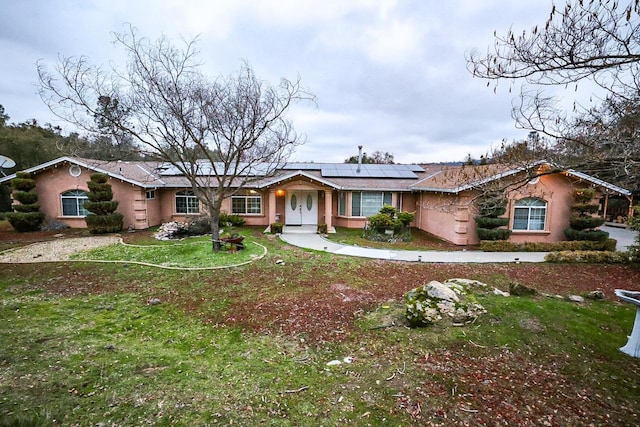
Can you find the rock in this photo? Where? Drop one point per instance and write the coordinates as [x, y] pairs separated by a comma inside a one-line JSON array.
[[575, 298], [497, 291], [521, 290], [155, 301], [466, 282], [595, 295], [436, 301]]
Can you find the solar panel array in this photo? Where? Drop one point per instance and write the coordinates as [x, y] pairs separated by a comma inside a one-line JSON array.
[[327, 170], [351, 170]]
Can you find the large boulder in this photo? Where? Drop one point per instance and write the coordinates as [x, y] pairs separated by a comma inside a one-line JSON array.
[[436, 301]]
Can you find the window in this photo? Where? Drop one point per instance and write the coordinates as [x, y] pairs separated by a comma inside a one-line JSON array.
[[73, 203], [529, 214], [151, 194], [368, 203], [187, 203], [342, 203], [247, 203]]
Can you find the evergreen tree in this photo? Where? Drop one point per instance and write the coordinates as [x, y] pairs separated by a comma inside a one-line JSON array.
[[27, 215], [103, 217]]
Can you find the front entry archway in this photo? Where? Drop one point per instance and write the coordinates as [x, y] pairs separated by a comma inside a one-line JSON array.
[[301, 207]]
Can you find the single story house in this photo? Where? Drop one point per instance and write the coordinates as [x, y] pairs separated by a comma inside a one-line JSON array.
[[336, 194]]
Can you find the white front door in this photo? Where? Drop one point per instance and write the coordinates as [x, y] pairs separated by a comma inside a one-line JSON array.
[[302, 208]]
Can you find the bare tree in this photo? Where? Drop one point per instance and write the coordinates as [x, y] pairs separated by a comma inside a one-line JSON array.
[[220, 133], [588, 40]]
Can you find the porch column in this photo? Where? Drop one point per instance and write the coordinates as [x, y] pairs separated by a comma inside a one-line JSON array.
[[328, 205], [272, 206]]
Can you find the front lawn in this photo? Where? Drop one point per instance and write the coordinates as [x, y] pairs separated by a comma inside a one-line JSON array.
[[114, 344]]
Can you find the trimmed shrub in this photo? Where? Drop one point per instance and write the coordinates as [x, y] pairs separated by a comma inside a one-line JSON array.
[[103, 217], [589, 208], [589, 257], [493, 234], [405, 218], [100, 224], [592, 235], [381, 222], [25, 221], [276, 228], [585, 222], [491, 222], [389, 225], [322, 228], [574, 245], [27, 215]]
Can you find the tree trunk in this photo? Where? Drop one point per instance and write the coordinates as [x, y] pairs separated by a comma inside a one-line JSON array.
[[214, 216]]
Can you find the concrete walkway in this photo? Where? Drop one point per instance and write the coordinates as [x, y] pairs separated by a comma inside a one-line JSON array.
[[307, 238]]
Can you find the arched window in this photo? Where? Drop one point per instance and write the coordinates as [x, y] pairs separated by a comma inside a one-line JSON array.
[[529, 214], [73, 203], [187, 203]]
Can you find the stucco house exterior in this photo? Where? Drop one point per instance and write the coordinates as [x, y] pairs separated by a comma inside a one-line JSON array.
[[338, 195]]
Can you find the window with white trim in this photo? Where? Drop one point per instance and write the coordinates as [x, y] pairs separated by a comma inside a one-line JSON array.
[[246, 203], [368, 203], [72, 202], [150, 194], [187, 203], [529, 214], [342, 203]]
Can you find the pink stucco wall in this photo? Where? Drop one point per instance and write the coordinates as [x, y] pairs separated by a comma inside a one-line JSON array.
[[452, 216], [51, 183]]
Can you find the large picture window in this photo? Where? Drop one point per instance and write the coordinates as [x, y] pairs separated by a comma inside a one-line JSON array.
[[247, 203], [529, 214], [73, 203], [368, 203], [187, 203]]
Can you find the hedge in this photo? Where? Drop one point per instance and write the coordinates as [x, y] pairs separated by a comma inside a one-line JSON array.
[[589, 257], [574, 245]]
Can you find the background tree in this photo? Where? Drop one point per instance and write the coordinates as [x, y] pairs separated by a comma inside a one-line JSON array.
[[596, 41], [220, 134], [103, 217], [27, 215], [378, 157]]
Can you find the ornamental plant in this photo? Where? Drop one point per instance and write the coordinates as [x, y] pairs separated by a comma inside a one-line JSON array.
[[491, 206], [582, 223], [388, 219], [103, 217], [26, 215]]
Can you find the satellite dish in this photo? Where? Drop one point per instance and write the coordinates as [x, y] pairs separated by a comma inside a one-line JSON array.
[[6, 163]]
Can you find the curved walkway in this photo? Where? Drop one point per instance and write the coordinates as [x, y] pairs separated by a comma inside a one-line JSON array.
[[319, 243], [314, 241]]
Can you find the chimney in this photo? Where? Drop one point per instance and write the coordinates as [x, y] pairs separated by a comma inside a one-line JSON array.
[[359, 158]]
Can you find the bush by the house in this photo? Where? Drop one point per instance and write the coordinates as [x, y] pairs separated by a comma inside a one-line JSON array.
[[575, 245], [588, 257], [276, 228], [27, 215], [582, 223], [389, 225], [233, 220], [491, 206], [322, 228], [103, 217]]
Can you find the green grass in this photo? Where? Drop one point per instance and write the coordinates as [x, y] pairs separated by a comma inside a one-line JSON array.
[[190, 253], [74, 354]]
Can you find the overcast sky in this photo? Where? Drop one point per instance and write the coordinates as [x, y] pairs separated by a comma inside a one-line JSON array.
[[389, 75]]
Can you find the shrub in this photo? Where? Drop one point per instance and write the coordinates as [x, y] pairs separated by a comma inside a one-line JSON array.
[[100, 224], [381, 222], [585, 222], [405, 218], [589, 257], [491, 222], [276, 228], [634, 224], [103, 218], [27, 215], [493, 234], [388, 218], [322, 228], [575, 245], [25, 221], [233, 220], [592, 235]]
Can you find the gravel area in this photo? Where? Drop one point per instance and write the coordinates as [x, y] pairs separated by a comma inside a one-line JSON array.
[[55, 250]]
